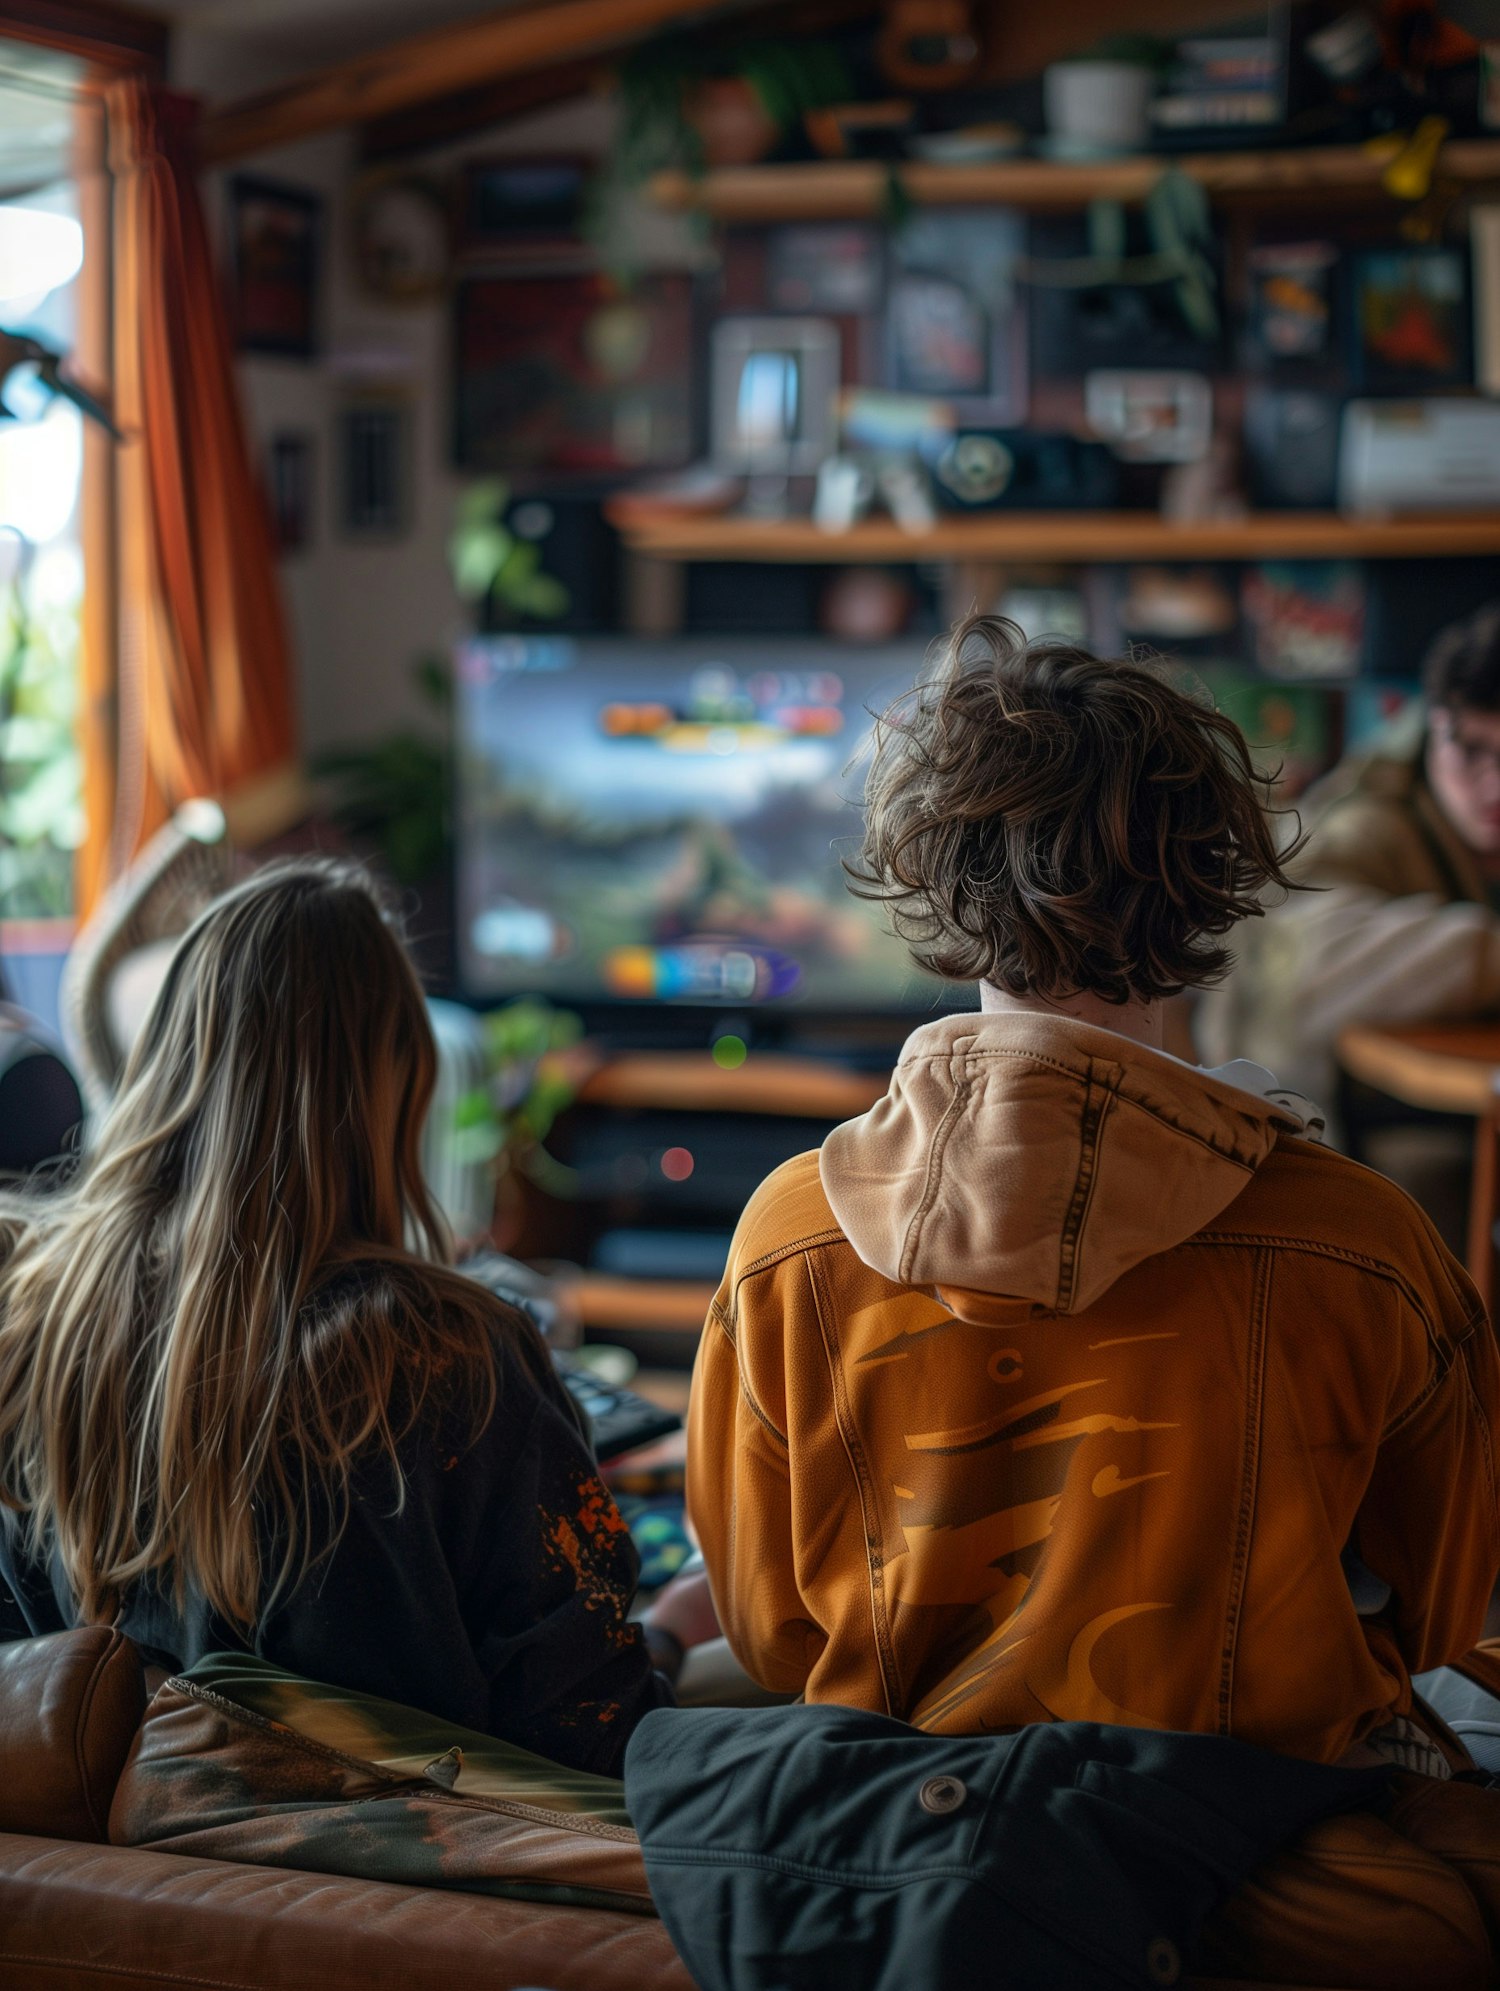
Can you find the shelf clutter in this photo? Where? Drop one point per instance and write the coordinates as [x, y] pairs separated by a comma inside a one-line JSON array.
[[855, 190], [1093, 537]]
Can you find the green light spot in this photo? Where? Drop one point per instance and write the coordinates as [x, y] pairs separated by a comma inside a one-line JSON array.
[[730, 1052]]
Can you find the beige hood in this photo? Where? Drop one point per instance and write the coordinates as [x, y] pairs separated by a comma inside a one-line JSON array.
[[1031, 1158]]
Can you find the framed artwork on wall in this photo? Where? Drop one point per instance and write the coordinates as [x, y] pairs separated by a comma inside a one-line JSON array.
[[955, 327], [1411, 319], [1290, 314], [523, 207], [374, 467], [569, 376], [275, 239]]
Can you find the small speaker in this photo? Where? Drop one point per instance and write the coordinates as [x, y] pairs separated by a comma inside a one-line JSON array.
[[988, 469]]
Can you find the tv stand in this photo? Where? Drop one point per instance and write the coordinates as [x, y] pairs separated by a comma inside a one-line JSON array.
[[633, 1109]]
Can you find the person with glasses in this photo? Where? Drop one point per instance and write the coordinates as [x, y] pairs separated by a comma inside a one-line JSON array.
[[1404, 848]]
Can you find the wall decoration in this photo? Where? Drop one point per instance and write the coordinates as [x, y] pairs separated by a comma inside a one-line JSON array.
[[1484, 240], [402, 238], [834, 270], [774, 384], [1411, 326], [1288, 727], [374, 467], [1305, 618], [275, 246], [569, 375], [954, 323], [1290, 306], [523, 207], [289, 466], [1150, 417]]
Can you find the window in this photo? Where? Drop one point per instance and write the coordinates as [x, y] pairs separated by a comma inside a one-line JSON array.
[[41, 562]]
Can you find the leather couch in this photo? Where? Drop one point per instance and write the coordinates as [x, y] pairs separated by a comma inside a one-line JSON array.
[[77, 1914], [1362, 1904]]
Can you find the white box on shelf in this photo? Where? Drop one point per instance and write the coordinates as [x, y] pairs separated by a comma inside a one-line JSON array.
[[1420, 456]]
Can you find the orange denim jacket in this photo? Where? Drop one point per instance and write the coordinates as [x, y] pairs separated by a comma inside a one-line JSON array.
[[1059, 1385]]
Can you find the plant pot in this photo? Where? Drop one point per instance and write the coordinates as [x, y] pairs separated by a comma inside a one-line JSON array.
[[1097, 108], [733, 125]]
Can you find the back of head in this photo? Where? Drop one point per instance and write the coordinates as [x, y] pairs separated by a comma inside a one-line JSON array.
[[289, 1052], [1461, 671], [1058, 825], [168, 1352]]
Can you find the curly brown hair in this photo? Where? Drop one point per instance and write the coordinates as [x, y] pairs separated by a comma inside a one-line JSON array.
[[1055, 824]]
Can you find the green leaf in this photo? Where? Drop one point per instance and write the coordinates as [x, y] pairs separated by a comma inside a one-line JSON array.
[[433, 677], [482, 503], [477, 555], [546, 598]]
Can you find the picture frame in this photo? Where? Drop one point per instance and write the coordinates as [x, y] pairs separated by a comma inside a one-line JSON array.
[[565, 375], [828, 269], [1150, 415], [1409, 328], [275, 245], [1290, 310], [524, 206], [955, 323], [401, 236], [374, 456], [773, 387], [289, 489]]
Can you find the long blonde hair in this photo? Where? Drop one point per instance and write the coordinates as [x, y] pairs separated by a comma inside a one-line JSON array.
[[180, 1368]]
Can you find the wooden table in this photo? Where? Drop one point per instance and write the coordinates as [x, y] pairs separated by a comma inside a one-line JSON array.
[[1444, 1068]]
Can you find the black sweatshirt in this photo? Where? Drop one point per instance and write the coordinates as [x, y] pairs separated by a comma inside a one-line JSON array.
[[496, 1598]]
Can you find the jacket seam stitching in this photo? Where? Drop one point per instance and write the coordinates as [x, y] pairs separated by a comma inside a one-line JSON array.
[[1091, 1133], [1283, 1121], [936, 1154], [1316, 1248], [813, 1241], [752, 1403], [1260, 1307], [859, 1466]]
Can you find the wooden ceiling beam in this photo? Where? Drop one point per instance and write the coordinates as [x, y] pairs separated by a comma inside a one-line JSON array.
[[440, 120], [514, 43]]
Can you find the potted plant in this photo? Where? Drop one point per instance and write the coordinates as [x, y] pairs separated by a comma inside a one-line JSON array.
[[537, 1061], [1099, 102]]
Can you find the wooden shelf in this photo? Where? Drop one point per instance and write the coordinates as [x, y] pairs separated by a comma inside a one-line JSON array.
[[1443, 1068], [1084, 537], [639, 1306], [857, 190], [690, 1081]]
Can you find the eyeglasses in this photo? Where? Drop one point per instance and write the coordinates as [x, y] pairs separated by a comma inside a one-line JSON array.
[[1475, 757]]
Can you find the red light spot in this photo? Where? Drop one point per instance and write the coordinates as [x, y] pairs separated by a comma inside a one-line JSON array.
[[677, 1164]]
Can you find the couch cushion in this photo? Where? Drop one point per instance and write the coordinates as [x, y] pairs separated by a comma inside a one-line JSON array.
[[103, 1918], [70, 1705], [237, 1760]]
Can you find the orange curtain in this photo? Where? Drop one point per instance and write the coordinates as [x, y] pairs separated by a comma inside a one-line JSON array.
[[205, 703]]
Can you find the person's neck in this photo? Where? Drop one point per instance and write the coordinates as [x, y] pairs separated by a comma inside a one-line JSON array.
[[1141, 1021]]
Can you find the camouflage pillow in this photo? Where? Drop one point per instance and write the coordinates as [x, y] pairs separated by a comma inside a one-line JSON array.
[[236, 1760]]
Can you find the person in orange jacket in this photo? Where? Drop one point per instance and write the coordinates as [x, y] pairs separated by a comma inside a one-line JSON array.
[[1073, 1381]]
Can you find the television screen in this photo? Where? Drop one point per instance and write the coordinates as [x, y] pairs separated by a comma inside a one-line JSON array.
[[663, 822]]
